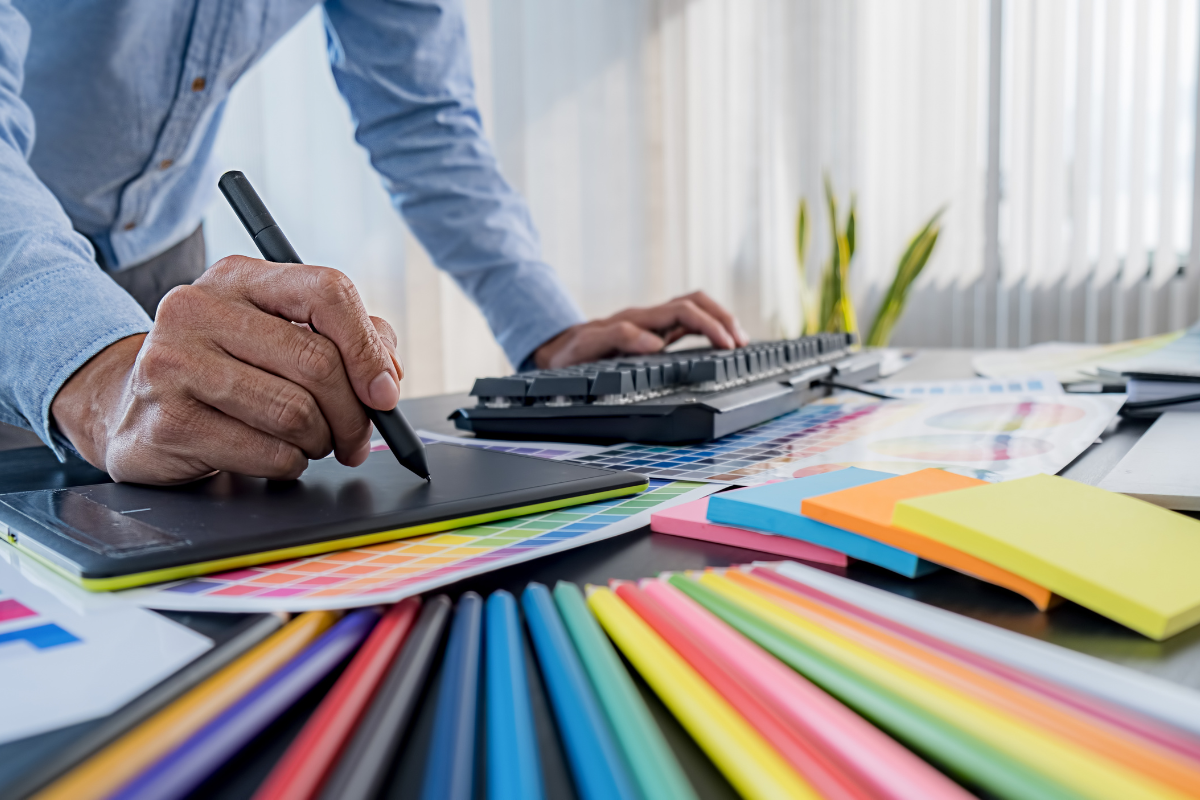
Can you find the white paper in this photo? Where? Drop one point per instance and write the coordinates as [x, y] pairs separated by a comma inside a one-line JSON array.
[[555, 451], [65, 663]]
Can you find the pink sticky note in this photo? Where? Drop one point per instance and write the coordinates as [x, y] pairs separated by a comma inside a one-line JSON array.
[[691, 520]]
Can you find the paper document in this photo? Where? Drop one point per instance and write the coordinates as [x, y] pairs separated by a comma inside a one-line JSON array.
[[1041, 383], [1070, 362], [65, 664]]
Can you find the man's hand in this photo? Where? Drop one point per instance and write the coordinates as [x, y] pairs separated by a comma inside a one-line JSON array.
[[643, 330], [226, 381]]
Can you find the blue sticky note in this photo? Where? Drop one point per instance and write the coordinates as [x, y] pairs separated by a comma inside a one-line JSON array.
[[775, 508]]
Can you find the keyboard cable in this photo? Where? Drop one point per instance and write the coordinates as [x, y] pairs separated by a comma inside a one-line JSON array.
[[847, 387]]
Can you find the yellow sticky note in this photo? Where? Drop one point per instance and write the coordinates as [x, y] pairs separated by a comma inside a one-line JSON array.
[[1131, 561]]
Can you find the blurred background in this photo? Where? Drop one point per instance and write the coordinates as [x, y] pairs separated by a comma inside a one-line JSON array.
[[664, 145]]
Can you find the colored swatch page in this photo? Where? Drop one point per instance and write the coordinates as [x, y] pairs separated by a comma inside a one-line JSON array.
[[867, 510], [1124, 558], [992, 438], [391, 571], [1041, 383], [690, 520], [775, 508]]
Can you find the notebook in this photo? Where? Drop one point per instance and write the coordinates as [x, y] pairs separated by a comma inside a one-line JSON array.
[[867, 510], [775, 508], [1164, 465], [115, 535], [1124, 558], [690, 520]]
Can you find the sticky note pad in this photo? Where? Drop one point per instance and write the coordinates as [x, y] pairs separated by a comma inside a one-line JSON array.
[[1124, 558], [775, 508], [867, 510], [691, 520]]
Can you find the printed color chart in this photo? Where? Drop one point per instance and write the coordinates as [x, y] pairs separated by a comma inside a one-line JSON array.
[[391, 571], [757, 454]]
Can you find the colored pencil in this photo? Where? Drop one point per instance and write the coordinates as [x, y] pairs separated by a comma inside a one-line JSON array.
[[363, 765], [514, 770], [302, 771], [651, 761], [596, 762], [931, 737], [1104, 740], [1063, 762], [124, 759], [1120, 686], [450, 770], [1148, 728], [890, 769], [751, 765], [186, 767], [827, 777], [253, 631]]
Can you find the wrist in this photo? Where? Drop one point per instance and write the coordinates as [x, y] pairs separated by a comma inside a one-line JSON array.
[[84, 408]]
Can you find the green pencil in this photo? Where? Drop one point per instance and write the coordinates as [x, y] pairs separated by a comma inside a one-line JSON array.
[[650, 758], [958, 753]]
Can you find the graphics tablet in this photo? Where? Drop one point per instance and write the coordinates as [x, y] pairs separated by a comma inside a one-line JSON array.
[[115, 536]]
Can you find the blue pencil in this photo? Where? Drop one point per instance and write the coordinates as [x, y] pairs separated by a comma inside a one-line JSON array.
[[514, 771], [187, 766], [600, 773], [450, 770]]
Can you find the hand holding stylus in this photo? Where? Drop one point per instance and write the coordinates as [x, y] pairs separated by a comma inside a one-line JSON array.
[[226, 381]]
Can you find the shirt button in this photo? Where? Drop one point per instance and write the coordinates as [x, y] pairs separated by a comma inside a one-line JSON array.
[[166, 163], [199, 84], [130, 226]]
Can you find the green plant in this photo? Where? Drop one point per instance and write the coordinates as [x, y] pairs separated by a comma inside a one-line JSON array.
[[915, 257], [832, 310]]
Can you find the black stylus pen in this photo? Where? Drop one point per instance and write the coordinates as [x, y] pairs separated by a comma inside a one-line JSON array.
[[274, 246]]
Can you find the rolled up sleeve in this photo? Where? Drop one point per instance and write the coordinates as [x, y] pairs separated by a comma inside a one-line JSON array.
[[405, 71], [57, 308]]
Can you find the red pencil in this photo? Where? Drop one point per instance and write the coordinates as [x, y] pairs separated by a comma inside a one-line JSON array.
[[305, 766], [809, 761]]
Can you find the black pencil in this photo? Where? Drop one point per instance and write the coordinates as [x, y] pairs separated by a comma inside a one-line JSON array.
[[364, 765]]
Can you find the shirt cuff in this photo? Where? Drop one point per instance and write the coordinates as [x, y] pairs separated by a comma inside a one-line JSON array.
[[61, 318], [526, 306]]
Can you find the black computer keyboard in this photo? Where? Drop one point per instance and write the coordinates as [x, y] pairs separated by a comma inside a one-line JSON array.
[[681, 396]]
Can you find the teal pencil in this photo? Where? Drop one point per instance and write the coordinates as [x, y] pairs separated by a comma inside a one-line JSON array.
[[650, 758], [596, 761], [514, 771]]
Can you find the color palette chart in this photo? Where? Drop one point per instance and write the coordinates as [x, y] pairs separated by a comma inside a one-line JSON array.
[[391, 571], [990, 438], [758, 454]]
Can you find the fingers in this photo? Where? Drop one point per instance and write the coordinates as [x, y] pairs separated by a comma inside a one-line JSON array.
[[718, 312], [388, 335], [596, 340], [328, 301]]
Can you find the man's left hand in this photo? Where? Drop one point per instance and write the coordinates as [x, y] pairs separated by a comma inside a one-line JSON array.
[[643, 330]]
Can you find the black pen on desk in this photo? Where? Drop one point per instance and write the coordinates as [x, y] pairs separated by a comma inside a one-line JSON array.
[[274, 246]]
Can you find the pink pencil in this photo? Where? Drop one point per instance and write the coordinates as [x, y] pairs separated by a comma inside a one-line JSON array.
[[1133, 723], [881, 763]]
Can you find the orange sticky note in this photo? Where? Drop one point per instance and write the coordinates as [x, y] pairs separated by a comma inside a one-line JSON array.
[[867, 511]]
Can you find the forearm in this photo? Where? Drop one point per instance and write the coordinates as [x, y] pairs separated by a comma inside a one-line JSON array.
[[57, 309]]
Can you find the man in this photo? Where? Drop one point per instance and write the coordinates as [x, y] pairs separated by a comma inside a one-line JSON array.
[[100, 215]]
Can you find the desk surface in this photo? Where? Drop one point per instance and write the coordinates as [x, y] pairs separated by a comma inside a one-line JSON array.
[[642, 553]]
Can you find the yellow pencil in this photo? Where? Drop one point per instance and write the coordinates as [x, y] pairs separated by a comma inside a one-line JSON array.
[[1072, 766], [127, 757], [754, 768]]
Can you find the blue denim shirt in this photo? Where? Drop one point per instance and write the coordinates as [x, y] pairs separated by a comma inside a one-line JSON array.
[[126, 96]]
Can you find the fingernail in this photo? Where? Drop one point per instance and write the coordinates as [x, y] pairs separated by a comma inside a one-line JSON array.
[[384, 392]]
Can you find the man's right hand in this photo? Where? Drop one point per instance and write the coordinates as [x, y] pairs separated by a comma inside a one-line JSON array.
[[227, 381]]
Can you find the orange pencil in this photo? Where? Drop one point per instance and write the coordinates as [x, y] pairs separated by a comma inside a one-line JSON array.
[[867, 511]]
